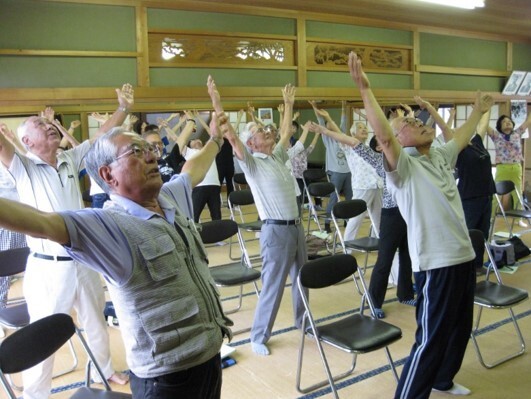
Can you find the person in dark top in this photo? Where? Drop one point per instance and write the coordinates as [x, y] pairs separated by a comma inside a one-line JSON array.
[[225, 165], [476, 184]]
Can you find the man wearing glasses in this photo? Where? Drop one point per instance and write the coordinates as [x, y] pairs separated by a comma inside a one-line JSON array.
[[439, 244], [146, 246], [54, 282]]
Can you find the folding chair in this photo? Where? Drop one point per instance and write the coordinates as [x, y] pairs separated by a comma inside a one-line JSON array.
[[355, 333], [320, 190], [239, 181], [37, 341], [519, 211], [494, 295], [230, 274], [15, 315], [237, 200], [347, 209], [312, 175]]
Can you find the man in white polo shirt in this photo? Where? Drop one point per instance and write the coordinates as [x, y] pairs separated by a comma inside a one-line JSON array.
[[54, 282]]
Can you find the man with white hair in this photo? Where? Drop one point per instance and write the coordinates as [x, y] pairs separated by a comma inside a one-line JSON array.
[[282, 239], [441, 253], [54, 282]]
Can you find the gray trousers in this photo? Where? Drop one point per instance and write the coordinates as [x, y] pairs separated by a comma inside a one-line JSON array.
[[283, 250]]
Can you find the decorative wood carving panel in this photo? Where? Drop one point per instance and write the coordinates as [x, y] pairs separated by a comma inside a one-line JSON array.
[[175, 50], [328, 56]]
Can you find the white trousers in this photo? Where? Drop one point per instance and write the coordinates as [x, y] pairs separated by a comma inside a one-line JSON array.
[[58, 287], [373, 198]]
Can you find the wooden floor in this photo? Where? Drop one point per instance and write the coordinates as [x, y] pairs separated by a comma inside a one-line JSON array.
[[273, 376]]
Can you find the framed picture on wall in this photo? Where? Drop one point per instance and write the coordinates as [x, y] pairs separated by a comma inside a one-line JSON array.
[[525, 87], [265, 115], [514, 82]]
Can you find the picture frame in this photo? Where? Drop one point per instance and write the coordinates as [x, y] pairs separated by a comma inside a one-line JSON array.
[[265, 115], [525, 87], [514, 82]]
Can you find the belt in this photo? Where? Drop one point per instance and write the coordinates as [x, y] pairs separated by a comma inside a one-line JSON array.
[[52, 257], [283, 222]]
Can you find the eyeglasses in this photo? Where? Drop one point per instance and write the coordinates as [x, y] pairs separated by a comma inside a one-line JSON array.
[[139, 151], [412, 122]]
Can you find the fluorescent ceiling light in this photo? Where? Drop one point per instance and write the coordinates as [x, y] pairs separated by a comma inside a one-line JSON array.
[[468, 4]]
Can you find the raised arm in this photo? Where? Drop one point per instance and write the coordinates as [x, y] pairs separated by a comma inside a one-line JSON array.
[[186, 133], [288, 92], [67, 139], [126, 100], [198, 166], [339, 137], [304, 134], [447, 131], [22, 218], [375, 115], [8, 143], [464, 133], [201, 121], [317, 112], [226, 128], [526, 124], [239, 118]]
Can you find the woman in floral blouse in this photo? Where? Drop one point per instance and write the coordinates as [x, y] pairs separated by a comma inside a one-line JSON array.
[[508, 144]]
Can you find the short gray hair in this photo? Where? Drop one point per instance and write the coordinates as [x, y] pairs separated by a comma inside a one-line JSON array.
[[102, 152]]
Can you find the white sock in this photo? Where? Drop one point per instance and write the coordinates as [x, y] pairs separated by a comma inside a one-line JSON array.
[[260, 349], [456, 389]]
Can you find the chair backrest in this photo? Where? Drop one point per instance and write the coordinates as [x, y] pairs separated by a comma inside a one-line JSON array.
[[218, 230], [314, 175], [241, 197], [504, 187], [239, 179], [327, 271], [34, 343], [321, 189], [13, 261], [349, 208]]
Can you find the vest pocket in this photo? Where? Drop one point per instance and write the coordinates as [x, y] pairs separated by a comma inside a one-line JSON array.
[[168, 328], [161, 258]]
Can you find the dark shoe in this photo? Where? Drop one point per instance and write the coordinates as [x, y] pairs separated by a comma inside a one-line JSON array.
[[379, 313]]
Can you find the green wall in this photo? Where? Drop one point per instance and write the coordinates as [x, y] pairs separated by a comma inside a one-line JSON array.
[[328, 30], [161, 77], [449, 51], [219, 22]]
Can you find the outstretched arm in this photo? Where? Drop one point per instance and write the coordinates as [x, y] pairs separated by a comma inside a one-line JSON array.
[[447, 131], [339, 137], [285, 129], [375, 115], [126, 100], [22, 218], [226, 127], [526, 124], [464, 133], [67, 139], [8, 143], [198, 166]]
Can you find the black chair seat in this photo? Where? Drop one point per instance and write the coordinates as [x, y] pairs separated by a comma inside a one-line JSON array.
[[15, 316], [358, 333], [363, 244], [234, 274], [497, 295], [251, 226]]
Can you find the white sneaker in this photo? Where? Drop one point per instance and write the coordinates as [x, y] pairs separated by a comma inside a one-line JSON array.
[[522, 223]]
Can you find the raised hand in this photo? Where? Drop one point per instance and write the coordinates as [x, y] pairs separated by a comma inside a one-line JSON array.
[[281, 109], [483, 102], [48, 113], [423, 104], [356, 71], [75, 124], [101, 118], [214, 94], [289, 94], [126, 96], [133, 119]]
